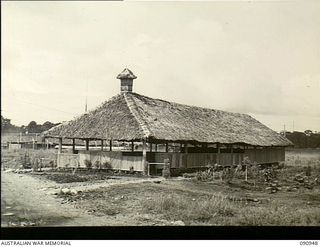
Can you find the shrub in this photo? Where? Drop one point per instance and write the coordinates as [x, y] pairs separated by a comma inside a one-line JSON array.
[[106, 165], [88, 164], [269, 174], [97, 164], [131, 169]]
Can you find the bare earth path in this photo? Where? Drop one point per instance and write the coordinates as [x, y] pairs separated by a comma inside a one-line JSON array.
[[26, 200]]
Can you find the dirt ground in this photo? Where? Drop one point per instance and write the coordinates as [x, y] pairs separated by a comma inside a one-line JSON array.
[[55, 198], [31, 201]]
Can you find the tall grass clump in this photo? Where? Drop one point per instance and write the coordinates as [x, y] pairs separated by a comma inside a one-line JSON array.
[[175, 207], [277, 215]]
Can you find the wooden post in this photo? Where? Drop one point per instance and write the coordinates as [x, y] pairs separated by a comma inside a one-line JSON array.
[[110, 143], [101, 145], [144, 158], [87, 144], [218, 153], [167, 147], [166, 168], [150, 147], [156, 147], [73, 146], [132, 146], [60, 146], [232, 156], [246, 178]]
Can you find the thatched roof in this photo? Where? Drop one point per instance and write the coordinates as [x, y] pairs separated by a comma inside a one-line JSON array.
[[130, 116]]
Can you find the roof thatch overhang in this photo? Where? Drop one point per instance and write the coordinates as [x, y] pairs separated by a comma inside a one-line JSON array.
[[129, 116]]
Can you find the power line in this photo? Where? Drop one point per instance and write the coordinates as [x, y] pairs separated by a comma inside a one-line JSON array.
[[26, 102], [49, 108]]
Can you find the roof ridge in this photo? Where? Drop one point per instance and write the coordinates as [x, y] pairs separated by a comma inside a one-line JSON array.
[[189, 105], [133, 109]]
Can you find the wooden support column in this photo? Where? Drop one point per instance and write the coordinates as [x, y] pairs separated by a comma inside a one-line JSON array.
[[144, 158], [102, 144], [60, 146], [110, 143], [73, 146], [150, 147], [156, 147], [132, 146], [218, 153], [87, 144], [167, 147], [232, 156]]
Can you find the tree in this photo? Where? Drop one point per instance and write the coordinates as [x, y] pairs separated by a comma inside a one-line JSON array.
[[32, 127], [6, 125], [47, 125], [308, 132]]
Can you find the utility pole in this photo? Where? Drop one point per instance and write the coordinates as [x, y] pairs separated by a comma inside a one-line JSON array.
[[86, 106]]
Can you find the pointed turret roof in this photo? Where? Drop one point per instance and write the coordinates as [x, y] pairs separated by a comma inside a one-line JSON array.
[[126, 74]]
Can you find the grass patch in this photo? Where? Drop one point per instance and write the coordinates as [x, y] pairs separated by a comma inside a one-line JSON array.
[[175, 207], [67, 177], [277, 215]]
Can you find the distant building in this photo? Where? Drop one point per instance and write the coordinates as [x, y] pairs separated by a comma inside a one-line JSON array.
[[14, 141], [190, 136]]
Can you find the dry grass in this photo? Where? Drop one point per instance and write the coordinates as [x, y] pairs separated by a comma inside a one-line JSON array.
[[175, 207], [219, 210], [14, 159], [303, 157]]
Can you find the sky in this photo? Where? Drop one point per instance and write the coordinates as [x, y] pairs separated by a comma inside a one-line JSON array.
[[258, 58]]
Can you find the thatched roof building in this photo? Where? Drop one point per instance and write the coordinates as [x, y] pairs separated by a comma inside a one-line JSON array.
[[216, 136]]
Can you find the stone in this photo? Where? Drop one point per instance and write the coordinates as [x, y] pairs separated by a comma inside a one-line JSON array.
[[73, 191], [8, 214], [178, 223], [65, 190], [8, 170]]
